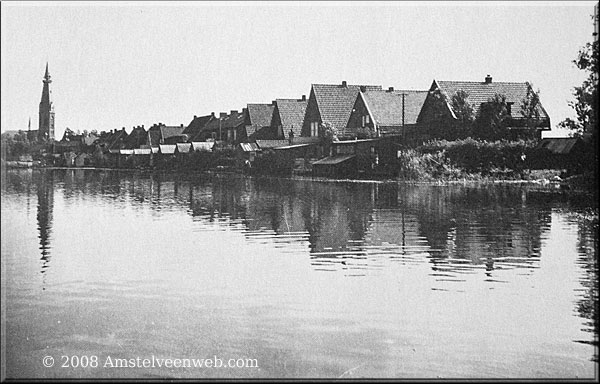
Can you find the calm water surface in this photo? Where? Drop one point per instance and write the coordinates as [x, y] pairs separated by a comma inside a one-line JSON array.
[[311, 279]]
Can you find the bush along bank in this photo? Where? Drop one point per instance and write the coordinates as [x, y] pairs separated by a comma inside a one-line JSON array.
[[471, 159]]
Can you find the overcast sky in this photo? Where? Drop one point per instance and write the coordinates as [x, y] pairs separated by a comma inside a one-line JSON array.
[[119, 65]]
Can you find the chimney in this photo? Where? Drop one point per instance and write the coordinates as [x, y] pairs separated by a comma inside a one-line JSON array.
[[363, 88], [303, 97], [488, 79], [344, 84], [222, 115], [212, 114], [181, 125], [233, 112], [195, 117], [273, 102], [391, 89]]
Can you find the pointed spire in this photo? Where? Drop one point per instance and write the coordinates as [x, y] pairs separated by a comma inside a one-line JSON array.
[[47, 74]]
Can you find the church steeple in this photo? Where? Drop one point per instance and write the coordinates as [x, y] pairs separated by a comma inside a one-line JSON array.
[[46, 121]]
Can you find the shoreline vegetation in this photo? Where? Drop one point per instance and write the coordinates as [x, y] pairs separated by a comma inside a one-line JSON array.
[[466, 161]]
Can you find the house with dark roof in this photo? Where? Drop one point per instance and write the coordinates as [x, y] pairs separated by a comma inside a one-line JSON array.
[[197, 124], [331, 103], [438, 107], [379, 113], [165, 134], [229, 128], [136, 138], [288, 117], [258, 121]]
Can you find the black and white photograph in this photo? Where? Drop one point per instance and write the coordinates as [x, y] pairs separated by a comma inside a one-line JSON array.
[[299, 190]]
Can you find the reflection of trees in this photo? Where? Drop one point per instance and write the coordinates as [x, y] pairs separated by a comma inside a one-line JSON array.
[[482, 225], [587, 305]]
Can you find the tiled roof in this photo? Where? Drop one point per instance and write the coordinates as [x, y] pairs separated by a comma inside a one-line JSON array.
[[264, 144], [335, 101], [234, 120], [196, 125], [169, 131], [291, 113], [481, 92], [260, 115], [386, 106]]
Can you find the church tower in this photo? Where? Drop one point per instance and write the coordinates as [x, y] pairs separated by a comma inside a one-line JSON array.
[[46, 121]]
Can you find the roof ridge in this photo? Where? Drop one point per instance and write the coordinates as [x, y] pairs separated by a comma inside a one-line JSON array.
[[483, 82]]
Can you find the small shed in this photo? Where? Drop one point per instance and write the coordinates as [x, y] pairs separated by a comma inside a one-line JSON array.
[[202, 146], [167, 149], [336, 166]]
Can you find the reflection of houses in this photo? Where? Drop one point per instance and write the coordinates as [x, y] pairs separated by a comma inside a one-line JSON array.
[[438, 110]]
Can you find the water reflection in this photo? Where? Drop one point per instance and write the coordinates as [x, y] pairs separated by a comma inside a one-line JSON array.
[[45, 207], [349, 228]]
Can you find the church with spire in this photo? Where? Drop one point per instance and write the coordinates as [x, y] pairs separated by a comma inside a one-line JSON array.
[[46, 114]]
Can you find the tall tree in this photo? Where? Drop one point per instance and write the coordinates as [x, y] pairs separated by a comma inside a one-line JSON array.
[[586, 95], [464, 113], [530, 110], [492, 118]]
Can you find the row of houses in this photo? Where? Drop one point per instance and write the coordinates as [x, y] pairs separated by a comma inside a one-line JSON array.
[[357, 126]]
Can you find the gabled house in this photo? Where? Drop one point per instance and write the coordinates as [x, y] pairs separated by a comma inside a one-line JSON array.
[[229, 128], [379, 113], [479, 93], [331, 103], [196, 126], [164, 134], [258, 121], [288, 116], [136, 138]]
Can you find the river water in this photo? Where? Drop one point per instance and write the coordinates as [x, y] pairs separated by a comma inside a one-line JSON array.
[[301, 278]]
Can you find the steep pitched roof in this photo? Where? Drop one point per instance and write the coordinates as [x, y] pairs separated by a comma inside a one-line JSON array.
[[386, 106], [291, 114], [196, 125], [335, 101], [481, 92], [260, 115]]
